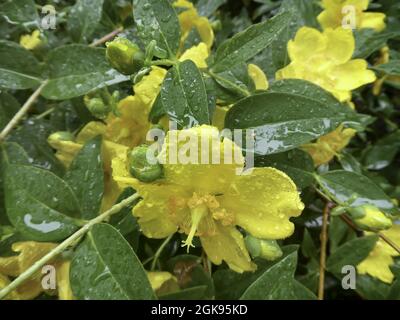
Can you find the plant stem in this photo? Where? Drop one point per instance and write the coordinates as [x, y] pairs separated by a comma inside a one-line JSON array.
[[322, 259], [64, 245], [159, 251], [106, 37], [21, 112]]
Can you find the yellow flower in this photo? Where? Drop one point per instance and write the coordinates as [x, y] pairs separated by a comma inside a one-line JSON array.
[[190, 19], [325, 59], [210, 200], [29, 253], [382, 59], [31, 41], [336, 11], [378, 263]]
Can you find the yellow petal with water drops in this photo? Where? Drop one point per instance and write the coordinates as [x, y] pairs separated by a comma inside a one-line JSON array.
[[198, 54], [148, 88], [329, 145], [373, 20], [352, 75], [307, 43], [131, 126], [258, 76], [120, 172], [160, 207], [378, 262], [65, 150], [340, 45], [219, 115], [263, 202], [196, 159], [227, 244], [63, 283]]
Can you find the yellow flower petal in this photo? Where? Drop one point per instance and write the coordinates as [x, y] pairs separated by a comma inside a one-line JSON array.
[[307, 43], [258, 76], [195, 146], [263, 202], [162, 281], [149, 87], [198, 54], [63, 284], [373, 20], [31, 41], [340, 45], [89, 131], [228, 245], [352, 75], [378, 263], [219, 117]]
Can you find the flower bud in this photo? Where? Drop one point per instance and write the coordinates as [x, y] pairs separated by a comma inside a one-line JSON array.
[[266, 249], [372, 218], [142, 168], [125, 56], [97, 107]]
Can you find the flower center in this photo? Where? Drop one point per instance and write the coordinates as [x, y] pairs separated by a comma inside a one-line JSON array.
[[197, 214]]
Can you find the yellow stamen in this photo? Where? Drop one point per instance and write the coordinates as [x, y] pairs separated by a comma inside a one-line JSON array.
[[197, 214]]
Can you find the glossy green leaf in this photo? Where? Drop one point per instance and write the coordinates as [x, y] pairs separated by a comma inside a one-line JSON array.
[[392, 68], [39, 204], [105, 267], [382, 153], [8, 108], [86, 178], [278, 283], [368, 41], [349, 162], [21, 12], [246, 44], [19, 69], [355, 189], [309, 112], [207, 8], [350, 253], [296, 163], [75, 70], [183, 95], [83, 19], [371, 288], [157, 20]]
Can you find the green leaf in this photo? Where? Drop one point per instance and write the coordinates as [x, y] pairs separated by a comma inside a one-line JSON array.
[[309, 112], [86, 178], [157, 20], [32, 136], [75, 70], [39, 204], [278, 283], [351, 253], [19, 68], [339, 233], [105, 267], [83, 19], [372, 288], [183, 95], [368, 41], [381, 154], [349, 162], [296, 163], [355, 189], [246, 44], [392, 68], [206, 8], [20, 12], [9, 106]]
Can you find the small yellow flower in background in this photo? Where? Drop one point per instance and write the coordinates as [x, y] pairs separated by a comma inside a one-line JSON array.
[[29, 253], [382, 59], [325, 59], [258, 76], [190, 19], [210, 200], [378, 263], [336, 11], [31, 41]]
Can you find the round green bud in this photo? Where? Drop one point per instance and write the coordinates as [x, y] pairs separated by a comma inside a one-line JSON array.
[[125, 56], [142, 167], [97, 107], [372, 220], [266, 249]]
